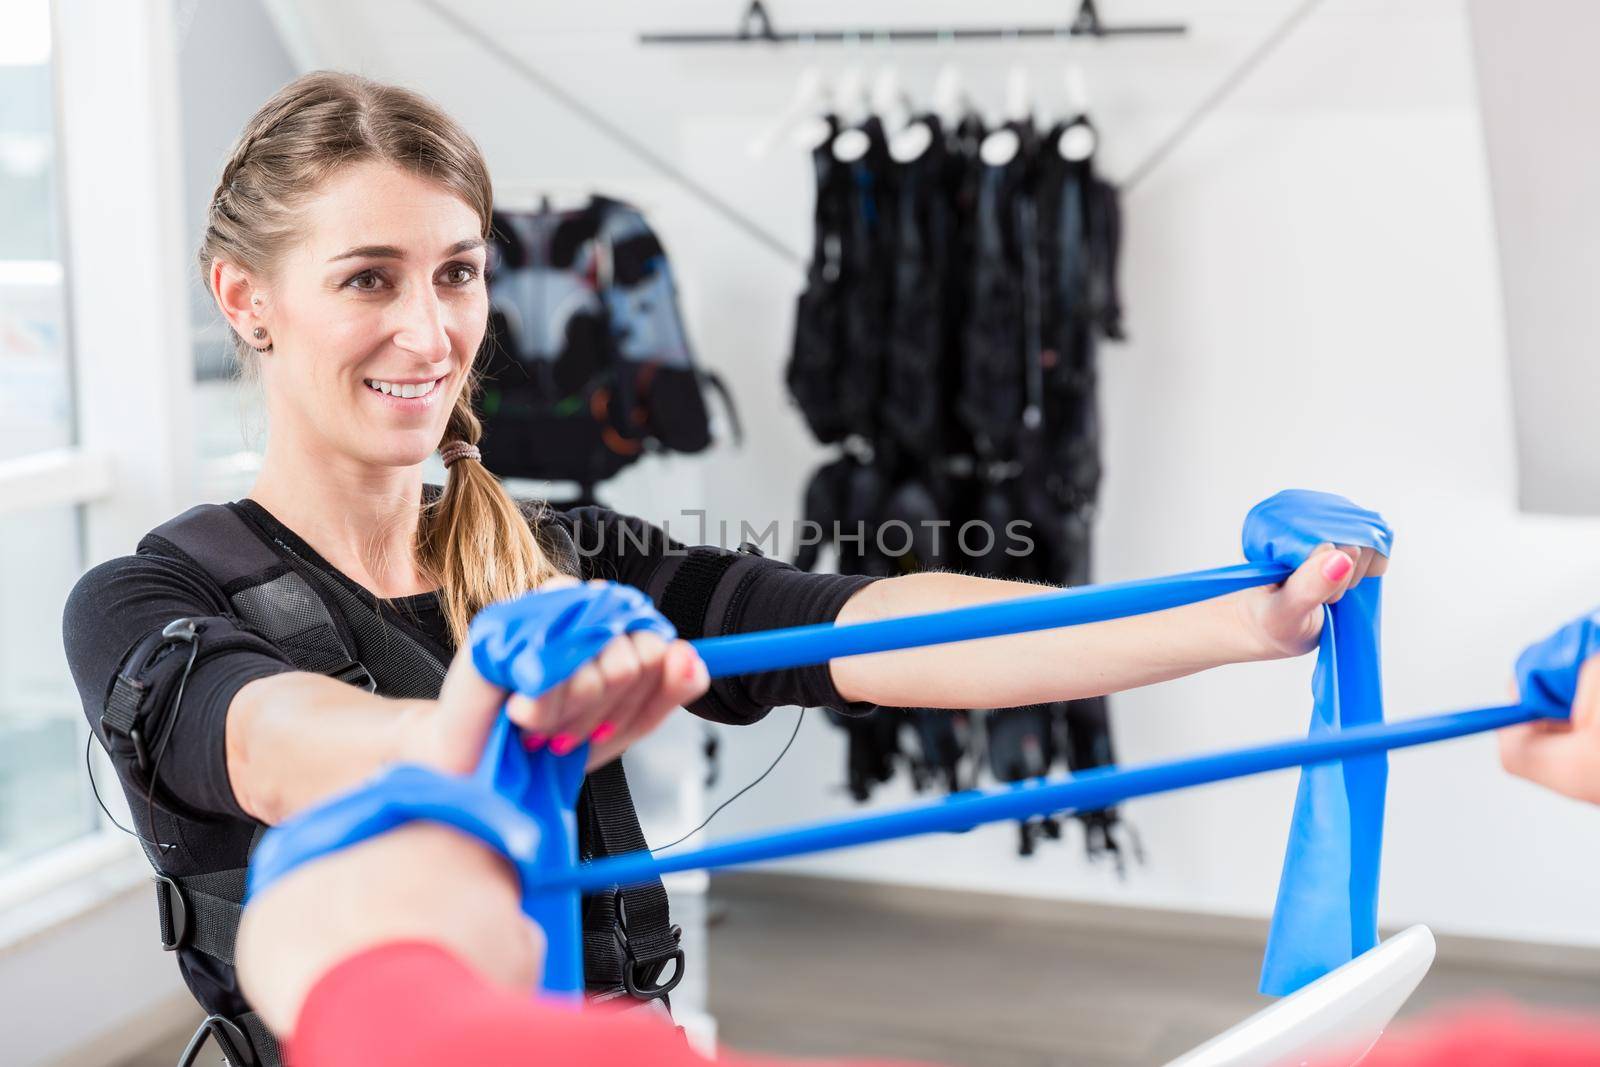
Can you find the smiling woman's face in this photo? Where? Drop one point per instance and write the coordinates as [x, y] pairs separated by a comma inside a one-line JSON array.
[[376, 316]]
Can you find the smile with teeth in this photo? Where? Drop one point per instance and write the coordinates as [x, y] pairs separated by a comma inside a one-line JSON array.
[[403, 391]]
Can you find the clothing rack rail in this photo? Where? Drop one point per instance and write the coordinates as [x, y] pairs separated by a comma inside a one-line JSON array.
[[756, 27]]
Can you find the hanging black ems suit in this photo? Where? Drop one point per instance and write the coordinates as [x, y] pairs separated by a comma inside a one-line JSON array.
[[320, 626]]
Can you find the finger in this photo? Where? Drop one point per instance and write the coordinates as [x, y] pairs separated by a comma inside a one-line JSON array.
[[1354, 553], [534, 715], [621, 722], [1364, 558], [579, 693], [616, 670], [681, 679], [684, 674], [1319, 580], [1380, 565], [545, 713]]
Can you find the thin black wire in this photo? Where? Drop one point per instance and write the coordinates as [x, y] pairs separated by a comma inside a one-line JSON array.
[[1224, 89], [616, 133], [800, 717], [161, 750], [88, 765]]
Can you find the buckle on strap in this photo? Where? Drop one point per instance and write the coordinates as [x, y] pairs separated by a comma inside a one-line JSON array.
[[231, 1041], [356, 674], [174, 913], [642, 980]]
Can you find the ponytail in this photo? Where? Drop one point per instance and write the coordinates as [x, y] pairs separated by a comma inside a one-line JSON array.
[[474, 540]]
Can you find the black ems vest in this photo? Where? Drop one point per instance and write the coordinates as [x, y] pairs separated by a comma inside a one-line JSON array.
[[322, 626]]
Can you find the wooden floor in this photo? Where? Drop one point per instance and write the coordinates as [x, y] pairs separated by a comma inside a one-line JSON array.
[[810, 967], [817, 968]]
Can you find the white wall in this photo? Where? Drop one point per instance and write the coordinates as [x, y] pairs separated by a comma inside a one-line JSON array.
[[1536, 80], [1313, 301]]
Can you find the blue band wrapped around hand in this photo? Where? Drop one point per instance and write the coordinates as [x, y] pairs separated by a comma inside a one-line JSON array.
[[401, 794], [535, 642], [518, 802], [1547, 671], [1327, 909]]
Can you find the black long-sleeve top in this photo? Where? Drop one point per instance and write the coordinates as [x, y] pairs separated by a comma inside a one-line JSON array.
[[117, 604]]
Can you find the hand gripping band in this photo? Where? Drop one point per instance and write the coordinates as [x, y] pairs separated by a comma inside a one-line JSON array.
[[1547, 672], [518, 802], [1327, 909], [538, 640], [535, 642]]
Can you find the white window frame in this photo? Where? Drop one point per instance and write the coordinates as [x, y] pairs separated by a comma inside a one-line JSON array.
[[120, 182]]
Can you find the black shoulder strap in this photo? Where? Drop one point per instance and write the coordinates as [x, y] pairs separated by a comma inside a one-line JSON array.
[[635, 941], [270, 597]]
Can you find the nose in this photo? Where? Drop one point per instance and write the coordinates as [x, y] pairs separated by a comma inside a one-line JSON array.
[[420, 324]]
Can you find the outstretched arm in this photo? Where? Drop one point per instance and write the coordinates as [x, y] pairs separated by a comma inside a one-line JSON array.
[[295, 739], [1081, 661]]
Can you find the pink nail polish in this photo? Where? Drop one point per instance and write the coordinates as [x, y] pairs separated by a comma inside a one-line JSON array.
[[1337, 566], [561, 744], [533, 742], [601, 732]]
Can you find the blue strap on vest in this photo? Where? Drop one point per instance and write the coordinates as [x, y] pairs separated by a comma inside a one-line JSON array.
[[535, 642]]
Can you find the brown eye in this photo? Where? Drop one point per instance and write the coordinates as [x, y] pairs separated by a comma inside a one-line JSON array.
[[461, 273], [358, 282]]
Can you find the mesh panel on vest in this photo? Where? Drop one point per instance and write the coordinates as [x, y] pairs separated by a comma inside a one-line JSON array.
[[286, 612]]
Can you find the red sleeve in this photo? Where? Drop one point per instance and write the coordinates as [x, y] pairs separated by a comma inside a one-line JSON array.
[[1487, 1035], [413, 1004]]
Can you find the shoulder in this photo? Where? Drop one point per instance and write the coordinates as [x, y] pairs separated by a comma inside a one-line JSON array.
[[154, 574], [158, 571], [146, 572], [614, 545], [593, 521]]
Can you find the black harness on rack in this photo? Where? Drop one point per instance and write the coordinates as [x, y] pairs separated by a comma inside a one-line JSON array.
[[323, 627]]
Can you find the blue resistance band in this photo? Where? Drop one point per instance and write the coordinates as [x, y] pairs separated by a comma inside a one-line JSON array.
[[1327, 908], [1087, 791], [538, 640]]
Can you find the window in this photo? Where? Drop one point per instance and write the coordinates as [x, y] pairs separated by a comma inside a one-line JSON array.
[[35, 402], [44, 799]]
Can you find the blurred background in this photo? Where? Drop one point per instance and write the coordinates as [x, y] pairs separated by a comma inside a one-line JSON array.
[[1351, 243]]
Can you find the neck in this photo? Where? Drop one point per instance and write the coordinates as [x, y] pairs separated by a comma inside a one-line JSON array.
[[359, 517]]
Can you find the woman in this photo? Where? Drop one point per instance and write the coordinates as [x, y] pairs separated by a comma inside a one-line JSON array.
[[345, 246]]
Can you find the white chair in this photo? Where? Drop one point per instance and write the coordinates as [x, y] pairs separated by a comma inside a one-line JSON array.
[[1343, 1011]]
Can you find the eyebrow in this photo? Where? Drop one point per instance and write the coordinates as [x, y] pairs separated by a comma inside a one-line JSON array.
[[391, 252]]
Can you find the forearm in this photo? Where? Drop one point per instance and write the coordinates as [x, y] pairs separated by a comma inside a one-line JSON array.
[[1062, 664], [421, 882], [295, 739]]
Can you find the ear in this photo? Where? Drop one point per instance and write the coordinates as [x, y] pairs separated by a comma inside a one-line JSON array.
[[241, 300]]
